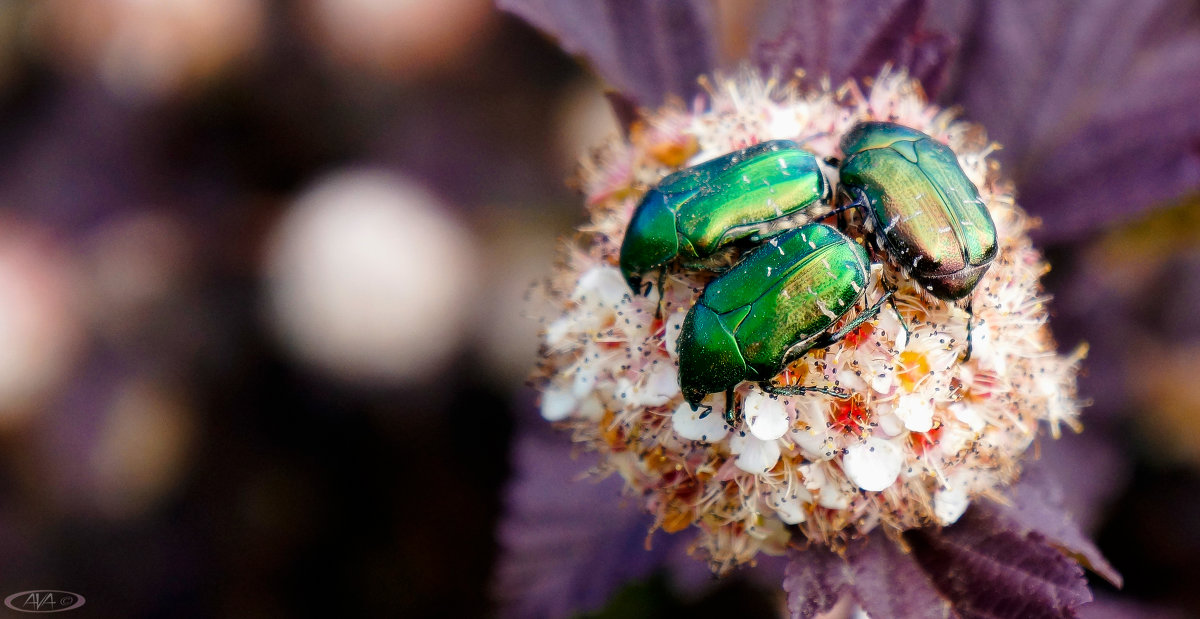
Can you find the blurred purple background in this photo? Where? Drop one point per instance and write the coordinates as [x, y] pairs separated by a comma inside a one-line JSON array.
[[263, 270]]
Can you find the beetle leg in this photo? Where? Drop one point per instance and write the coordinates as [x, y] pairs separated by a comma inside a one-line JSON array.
[[768, 387], [732, 415], [865, 315], [970, 318], [662, 278], [899, 316], [707, 410]]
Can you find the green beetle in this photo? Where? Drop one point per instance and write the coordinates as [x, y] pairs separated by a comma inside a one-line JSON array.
[[769, 309], [924, 210], [751, 193]]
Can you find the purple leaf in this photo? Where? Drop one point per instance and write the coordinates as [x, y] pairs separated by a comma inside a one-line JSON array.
[[989, 571], [814, 580], [1111, 608], [1089, 469], [644, 49], [568, 544], [888, 582], [1037, 507], [852, 38], [1094, 103]]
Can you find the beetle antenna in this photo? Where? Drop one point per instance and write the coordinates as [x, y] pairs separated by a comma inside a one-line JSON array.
[[846, 207], [811, 138]]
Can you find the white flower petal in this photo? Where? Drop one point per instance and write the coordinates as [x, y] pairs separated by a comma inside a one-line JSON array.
[[557, 332], [660, 386], [789, 508], [673, 327], [955, 438], [968, 415], [699, 425], [874, 464], [766, 416], [883, 379], [754, 455], [890, 324], [916, 413], [814, 442], [557, 403], [585, 381], [829, 494], [950, 503], [591, 408], [889, 423], [603, 285]]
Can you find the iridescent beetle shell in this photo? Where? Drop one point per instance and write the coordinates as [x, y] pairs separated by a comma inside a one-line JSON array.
[[770, 308], [925, 212], [750, 193]]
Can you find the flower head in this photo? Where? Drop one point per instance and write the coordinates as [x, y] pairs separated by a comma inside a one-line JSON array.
[[921, 409]]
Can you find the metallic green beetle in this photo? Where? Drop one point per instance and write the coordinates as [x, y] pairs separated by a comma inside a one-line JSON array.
[[769, 309], [751, 193], [925, 212]]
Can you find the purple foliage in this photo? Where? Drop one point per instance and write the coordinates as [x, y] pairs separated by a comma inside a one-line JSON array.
[[1014, 560], [568, 543], [1105, 607], [1086, 491], [988, 570], [1080, 93], [852, 39], [1037, 507], [888, 582], [814, 580], [646, 50]]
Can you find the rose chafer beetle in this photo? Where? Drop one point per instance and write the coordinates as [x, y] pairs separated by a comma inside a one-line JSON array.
[[924, 210], [692, 214], [771, 308]]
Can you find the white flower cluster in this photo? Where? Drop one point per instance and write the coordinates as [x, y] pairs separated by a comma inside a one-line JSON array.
[[924, 432]]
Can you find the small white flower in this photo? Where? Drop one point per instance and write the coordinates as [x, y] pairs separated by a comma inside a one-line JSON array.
[[557, 403], [810, 433], [873, 464], [674, 325], [890, 323], [754, 455], [889, 423], [829, 493], [585, 381], [955, 438], [559, 331], [703, 424], [788, 505], [659, 387], [591, 408], [968, 415], [766, 416], [915, 412], [951, 501], [602, 285]]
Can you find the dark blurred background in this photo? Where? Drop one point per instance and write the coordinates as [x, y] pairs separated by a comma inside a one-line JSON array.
[[263, 267]]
